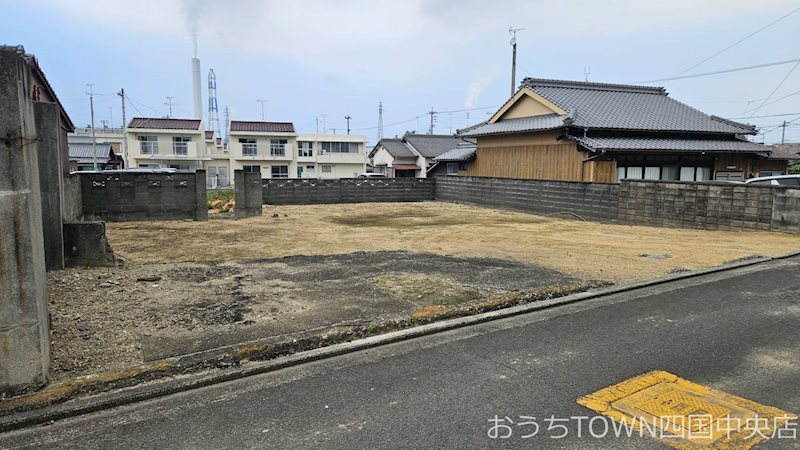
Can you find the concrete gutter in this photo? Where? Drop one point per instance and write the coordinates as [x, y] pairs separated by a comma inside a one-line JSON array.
[[153, 382]]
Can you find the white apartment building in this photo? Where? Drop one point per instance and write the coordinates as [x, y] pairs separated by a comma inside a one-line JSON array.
[[159, 142], [275, 150]]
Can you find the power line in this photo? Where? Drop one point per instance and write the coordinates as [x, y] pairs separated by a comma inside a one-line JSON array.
[[769, 115], [776, 88], [740, 40], [737, 69]]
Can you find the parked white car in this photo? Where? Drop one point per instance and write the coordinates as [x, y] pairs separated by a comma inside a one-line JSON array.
[[370, 175], [776, 180]]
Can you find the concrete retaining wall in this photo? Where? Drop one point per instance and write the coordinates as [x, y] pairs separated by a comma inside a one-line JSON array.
[[346, 190], [591, 201], [24, 326], [49, 155], [247, 194], [144, 196], [85, 244]]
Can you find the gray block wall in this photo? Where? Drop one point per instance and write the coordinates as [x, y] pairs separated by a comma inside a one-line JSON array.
[[117, 197], [786, 210], [709, 206], [590, 201], [346, 190], [24, 329], [49, 135], [247, 194]]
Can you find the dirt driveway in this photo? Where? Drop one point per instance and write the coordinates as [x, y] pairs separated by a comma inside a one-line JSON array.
[[583, 249]]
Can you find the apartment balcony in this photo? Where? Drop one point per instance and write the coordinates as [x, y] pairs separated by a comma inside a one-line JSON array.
[[249, 151], [349, 158], [171, 151]]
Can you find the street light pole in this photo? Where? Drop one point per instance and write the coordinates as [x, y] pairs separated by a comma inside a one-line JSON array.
[[91, 110], [347, 118]]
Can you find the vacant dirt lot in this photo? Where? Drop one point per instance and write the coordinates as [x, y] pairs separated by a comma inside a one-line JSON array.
[[583, 249], [110, 319]]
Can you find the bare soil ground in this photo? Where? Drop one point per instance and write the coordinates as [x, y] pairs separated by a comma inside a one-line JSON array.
[[110, 319], [583, 249], [192, 286]]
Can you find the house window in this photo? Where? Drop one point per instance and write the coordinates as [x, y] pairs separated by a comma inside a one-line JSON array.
[[669, 173], [327, 168], [770, 173], [248, 147], [695, 173], [280, 171], [251, 169], [305, 148], [148, 145], [652, 173], [340, 147], [452, 168], [634, 173], [180, 145], [277, 147]]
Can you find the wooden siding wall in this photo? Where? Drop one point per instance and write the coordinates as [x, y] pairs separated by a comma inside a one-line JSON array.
[[600, 171], [533, 162], [748, 164]]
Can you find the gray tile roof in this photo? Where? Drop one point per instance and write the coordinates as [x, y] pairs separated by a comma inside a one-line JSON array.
[[522, 124], [262, 127], [617, 106], [83, 153], [460, 153], [397, 148], [669, 145], [785, 151], [158, 123], [432, 145]]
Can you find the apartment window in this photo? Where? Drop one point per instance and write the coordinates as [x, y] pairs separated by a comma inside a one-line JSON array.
[[311, 171], [280, 171], [277, 147], [148, 145], [305, 148], [340, 147], [180, 145], [248, 147], [327, 168], [251, 169], [452, 168]]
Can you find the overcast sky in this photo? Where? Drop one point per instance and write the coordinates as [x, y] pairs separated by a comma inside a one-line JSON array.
[[337, 58]]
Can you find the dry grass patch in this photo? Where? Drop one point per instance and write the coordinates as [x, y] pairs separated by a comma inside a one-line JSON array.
[[584, 249]]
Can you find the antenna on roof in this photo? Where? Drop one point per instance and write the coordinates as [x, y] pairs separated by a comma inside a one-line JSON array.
[[586, 71], [169, 103], [513, 33]]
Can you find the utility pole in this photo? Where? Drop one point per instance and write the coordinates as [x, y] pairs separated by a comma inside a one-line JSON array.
[[317, 124], [380, 121], [169, 103], [432, 113], [104, 122], [334, 130], [513, 32], [91, 110], [586, 72], [121, 94], [347, 118], [111, 116], [262, 107], [323, 122], [783, 133]]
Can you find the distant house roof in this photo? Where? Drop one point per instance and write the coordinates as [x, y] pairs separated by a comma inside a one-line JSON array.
[[83, 153], [161, 123], [785, 151], [209, 135], [674, 145], [463, 152], [262, 127], [432, 145], [612, 107], [396, 147]]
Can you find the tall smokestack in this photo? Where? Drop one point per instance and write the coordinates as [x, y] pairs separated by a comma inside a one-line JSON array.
[[197, 96]]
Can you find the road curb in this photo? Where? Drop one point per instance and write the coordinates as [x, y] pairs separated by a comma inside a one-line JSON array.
[[162, 387]]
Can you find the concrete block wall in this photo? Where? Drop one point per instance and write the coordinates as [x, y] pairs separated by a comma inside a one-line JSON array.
[[709, 206], [117, 197], [50, 173], [24, 326], [786, 210], [346, 190], [247, 194], [590, 201]]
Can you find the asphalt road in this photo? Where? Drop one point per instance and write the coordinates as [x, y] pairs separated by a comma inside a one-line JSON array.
[[735, 331]]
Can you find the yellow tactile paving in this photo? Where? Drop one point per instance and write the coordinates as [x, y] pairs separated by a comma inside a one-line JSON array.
[[686, 415]]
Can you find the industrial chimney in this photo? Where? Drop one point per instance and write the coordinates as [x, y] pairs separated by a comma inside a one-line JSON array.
[[197, 96]]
